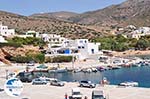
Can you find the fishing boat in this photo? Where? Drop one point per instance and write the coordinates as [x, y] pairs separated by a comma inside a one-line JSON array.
[[58, 70]]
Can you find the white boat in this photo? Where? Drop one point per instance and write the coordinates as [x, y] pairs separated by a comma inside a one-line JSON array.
[[58, 70], [129, 84], [89, 70], [94, 69], [76, 70]]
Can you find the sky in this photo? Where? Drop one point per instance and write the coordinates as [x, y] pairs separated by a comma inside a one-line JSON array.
[[29, 7]]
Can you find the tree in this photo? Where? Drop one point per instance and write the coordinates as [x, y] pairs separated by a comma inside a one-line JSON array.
[[142, 44], [40, 58]]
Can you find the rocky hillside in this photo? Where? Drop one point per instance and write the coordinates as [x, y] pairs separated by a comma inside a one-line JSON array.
[[134, 12], [48, 25], [62, 15], [12, 51]]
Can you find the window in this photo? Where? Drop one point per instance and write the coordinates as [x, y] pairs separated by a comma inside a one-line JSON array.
[[81, 41]]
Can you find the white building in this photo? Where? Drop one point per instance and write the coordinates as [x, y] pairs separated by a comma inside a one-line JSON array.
[[2, 39], [53, 38], [142, 31], [30, 34], [83, 47], [4, 31], [33, 34]]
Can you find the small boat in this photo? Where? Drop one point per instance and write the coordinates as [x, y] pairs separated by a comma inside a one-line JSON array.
[[94, 69], [116, 67], [101, 69], [76, 70], [89, 70], [58, 70], [129, 84]]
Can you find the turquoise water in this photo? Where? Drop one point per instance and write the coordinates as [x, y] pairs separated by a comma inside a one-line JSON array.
[[138, 74]]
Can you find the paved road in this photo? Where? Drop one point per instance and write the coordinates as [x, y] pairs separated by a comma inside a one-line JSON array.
[[54, 92]]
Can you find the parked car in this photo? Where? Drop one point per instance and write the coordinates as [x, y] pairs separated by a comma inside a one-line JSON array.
[[76, 94], [38, 81], [31, 63], [57, 83], [87, 84], [98, 94], [25, 76]]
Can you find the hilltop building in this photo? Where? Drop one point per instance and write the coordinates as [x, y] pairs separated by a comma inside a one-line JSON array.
[[4, 31], [52, 38], [142, 31], [30, 34]]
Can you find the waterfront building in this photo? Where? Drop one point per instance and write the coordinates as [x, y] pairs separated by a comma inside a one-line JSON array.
[[4, 31], [80, 47]]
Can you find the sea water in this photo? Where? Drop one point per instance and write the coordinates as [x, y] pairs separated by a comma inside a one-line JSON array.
[[138, 74]]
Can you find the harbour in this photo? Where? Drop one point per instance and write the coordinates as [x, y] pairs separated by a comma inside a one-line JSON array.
[[138, 74]]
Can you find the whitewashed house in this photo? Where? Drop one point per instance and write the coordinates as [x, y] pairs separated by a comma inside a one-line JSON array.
[[53, 38], [142, 31], [4, 31], [2, 40], [30, 34]]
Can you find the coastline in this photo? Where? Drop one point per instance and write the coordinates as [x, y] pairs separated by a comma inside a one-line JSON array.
[[131, 53], [47, 91]]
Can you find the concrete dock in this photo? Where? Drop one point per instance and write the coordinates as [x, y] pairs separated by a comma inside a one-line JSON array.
[[53, 92]]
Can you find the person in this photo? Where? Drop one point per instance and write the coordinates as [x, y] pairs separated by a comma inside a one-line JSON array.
[[85, 97], [66, 96]]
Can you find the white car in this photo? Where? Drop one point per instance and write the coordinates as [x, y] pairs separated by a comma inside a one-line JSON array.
[[57, 83], [98, 94], [76, 94], [38, 81]]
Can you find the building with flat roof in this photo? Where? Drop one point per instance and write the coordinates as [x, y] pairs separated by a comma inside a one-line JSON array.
[[4, 31]]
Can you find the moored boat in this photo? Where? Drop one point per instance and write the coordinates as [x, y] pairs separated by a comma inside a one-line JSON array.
[[129, 84]]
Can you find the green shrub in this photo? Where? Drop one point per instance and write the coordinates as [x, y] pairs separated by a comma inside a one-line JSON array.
[[10, 44], [27, 41], [39, 58], [21, 59], [59, 59]]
